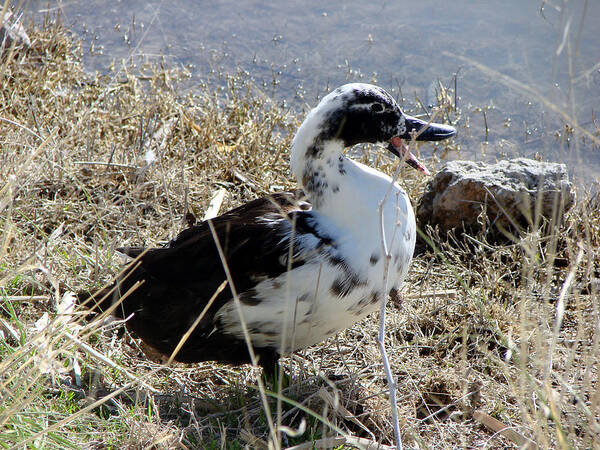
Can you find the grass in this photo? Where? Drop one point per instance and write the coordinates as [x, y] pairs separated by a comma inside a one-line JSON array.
[[488, 330]]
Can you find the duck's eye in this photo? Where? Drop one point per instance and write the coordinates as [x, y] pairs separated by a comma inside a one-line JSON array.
[[377, 107]]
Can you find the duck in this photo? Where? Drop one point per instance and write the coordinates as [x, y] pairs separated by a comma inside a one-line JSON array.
[[288, 270]]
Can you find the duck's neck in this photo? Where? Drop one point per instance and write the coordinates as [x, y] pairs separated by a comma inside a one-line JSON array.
[[344, 190], [320, 169]]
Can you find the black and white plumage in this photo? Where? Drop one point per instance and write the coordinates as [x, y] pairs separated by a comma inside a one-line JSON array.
[[334, 277]]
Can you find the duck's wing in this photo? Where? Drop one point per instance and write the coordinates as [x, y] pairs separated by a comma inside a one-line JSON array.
[[177, 281]]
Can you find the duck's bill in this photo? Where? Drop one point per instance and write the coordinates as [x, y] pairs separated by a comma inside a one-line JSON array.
[[398, 147], [420, 131], [425, 131]]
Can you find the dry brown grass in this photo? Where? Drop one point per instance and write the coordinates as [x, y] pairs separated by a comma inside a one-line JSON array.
[[476, 335]]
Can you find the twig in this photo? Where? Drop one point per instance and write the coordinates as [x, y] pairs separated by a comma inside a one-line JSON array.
[[455, 93], [12, 122], [486, 124], [215, 204], [25, 298], [446, 293], [499, 428], [381, 337], [107, 164], [244, 179], [6, 327], [560, 308]]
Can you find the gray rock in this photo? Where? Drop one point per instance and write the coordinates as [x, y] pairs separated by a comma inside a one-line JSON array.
[[11, 31], [511, 193]]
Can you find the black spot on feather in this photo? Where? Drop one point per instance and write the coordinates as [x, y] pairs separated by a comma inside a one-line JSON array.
[[374, 258], [341, 287], [314, 151], [303, 298], [249, 298], [395, 296], [341, 168], [375, 297], [335, 260]]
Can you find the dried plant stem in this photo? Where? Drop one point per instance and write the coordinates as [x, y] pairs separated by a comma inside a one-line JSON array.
[[381, 336], [253, 357], [560, 309]]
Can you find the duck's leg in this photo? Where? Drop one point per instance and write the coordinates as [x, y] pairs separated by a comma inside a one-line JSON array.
[[269, 361]]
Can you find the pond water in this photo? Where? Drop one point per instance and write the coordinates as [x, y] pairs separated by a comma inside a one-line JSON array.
[[533, 67]]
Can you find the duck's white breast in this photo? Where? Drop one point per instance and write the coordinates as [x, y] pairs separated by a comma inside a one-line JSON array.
[[338, 285]]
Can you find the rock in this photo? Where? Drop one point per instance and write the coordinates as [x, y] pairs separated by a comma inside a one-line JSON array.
[[11, 31], [507, 191]]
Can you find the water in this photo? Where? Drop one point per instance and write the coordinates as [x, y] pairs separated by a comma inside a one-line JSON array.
[[297, 51]]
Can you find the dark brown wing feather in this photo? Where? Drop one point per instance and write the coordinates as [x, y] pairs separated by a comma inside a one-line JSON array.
[[178, 280]]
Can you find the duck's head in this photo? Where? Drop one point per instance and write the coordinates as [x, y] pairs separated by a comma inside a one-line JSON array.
[[358, 112]]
